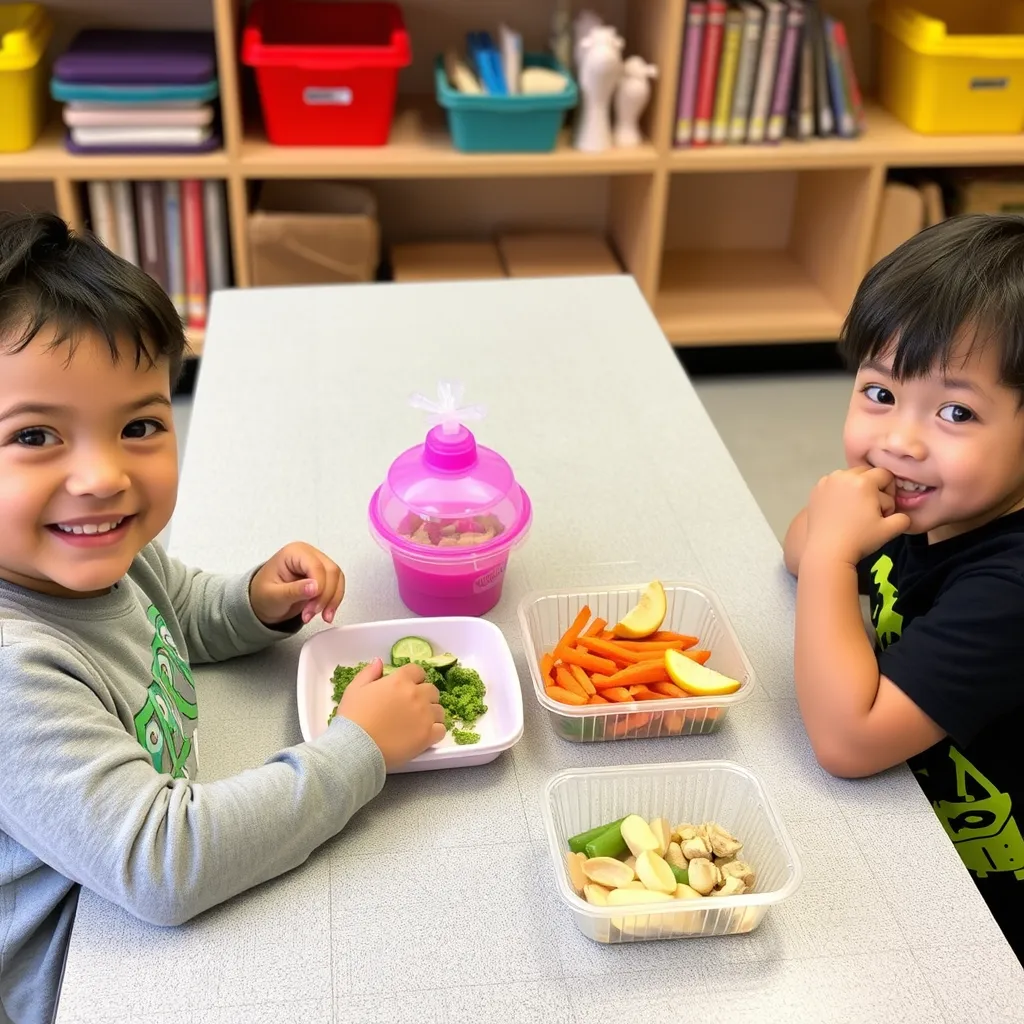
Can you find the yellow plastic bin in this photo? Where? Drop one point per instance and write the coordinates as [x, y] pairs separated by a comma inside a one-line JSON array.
[[953, 66], [25, 31]]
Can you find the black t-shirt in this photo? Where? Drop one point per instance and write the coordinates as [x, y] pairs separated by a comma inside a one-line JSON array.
[[949, 620]]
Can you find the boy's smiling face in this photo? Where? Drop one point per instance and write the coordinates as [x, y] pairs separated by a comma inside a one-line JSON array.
[[88, 464], [954, 440]]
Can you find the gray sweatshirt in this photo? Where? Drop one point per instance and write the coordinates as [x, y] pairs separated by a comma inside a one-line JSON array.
[[98, 767]]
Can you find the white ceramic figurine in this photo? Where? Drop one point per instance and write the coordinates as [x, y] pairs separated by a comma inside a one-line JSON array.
[[599, 73], [631, 98]]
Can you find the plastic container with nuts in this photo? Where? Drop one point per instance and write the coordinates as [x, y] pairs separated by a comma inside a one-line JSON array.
[[691, 609], [579, 799]]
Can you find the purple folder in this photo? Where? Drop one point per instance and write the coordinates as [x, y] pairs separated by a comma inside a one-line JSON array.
[[211, 144], [136, 57]]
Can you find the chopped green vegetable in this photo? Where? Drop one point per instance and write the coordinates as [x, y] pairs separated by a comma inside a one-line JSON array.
[[461, 689], [608, 844], [682, 875], [578, 842]]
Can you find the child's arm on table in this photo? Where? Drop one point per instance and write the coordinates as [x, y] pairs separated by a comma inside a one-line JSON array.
[[858, 721], [82, 794], [223, 616]]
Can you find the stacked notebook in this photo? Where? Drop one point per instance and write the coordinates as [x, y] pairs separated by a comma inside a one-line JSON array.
[[129, 91]]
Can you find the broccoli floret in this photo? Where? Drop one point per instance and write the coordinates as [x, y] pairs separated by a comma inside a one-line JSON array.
[[432, 674], [343, 675], [464, 736], [459, 675], [462, 698]]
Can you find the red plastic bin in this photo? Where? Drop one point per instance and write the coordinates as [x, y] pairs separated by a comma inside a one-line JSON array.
[[327, 73]]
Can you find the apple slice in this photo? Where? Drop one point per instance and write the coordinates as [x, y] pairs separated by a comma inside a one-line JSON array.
[[648, 615], [697, 680]]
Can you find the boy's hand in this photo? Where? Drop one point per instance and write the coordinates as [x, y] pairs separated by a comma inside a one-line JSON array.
[[852, 512], [399, 712], [297, 580]]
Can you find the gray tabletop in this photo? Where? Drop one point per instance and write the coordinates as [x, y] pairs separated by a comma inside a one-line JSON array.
[[300, 407]]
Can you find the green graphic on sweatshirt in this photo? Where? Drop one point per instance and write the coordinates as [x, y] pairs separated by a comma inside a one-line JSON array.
[[980, 823], [888, 622], [172, 697]]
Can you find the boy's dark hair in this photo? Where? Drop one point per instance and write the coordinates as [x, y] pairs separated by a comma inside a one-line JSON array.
[[962, 277], [53, 277]]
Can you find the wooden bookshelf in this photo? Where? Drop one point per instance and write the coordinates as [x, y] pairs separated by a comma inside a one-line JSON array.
[[729, 244]]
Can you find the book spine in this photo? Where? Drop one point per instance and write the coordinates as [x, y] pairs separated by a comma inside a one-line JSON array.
[[767, 67], [696, 13], [215, 210], [150, 233], [195, 253], [803, 107], [727, 75], [124, 216], [709, 72], [175, 247], [840, 101], [826, 120], [786, 72], [743, 94], [850, 84], [101, 213]]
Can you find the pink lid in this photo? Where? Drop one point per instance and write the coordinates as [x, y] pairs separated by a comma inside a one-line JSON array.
[[449, 498]]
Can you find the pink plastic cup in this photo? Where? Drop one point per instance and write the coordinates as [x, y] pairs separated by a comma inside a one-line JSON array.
[[449, 514]]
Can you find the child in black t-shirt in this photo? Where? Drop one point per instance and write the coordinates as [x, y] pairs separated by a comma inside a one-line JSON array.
[[928, 520]]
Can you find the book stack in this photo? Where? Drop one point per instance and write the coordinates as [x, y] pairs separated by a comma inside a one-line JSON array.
[[175, 230], [756, 71], [138, 91]]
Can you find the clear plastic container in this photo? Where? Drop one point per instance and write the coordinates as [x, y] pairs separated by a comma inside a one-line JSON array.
[[692, 609], [449, 513], [581, 798]]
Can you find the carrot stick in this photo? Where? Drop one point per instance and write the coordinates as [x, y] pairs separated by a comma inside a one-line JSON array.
[[647, 656], [567, 681], [572, 634], [564, 696], [547, 663], [583, 679], [664, 634], [642, 693], [699, 656], [609, 650], [595, 627], [606, 634], [619, 694], [653, 645], [643, 673], [599, 680], [668, 690], [588, 662], [596, 698]]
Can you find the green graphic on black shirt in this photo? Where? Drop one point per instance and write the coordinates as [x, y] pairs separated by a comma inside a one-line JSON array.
[[158, 725], [980, 822]]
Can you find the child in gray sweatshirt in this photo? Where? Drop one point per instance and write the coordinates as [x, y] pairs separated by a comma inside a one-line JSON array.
[[99, 629]]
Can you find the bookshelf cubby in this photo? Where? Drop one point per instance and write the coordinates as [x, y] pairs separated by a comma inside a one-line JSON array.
[[730, 244]]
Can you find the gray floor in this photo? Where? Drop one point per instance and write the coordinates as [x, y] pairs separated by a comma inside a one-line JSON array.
[[783, 431]]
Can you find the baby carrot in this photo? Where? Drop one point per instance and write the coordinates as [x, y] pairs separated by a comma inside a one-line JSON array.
[[583, 679], [567, 681], [595, 627], [588, 662], [642, 693], [619, 694], [609, 650], [572, 634], [599, 680], [699, 656], [664, 634], [606, 634], [564, 696], [643, 673], [596, 698], [653, 645], [547, 663], [668, 690]]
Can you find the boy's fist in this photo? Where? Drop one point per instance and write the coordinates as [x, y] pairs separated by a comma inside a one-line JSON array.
[[399, 712], [298, 580]]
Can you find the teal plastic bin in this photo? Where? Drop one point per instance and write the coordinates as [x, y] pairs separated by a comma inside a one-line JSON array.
[[506, 124]]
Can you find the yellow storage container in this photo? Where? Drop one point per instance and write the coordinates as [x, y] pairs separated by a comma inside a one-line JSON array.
[[25, 31], [953, 66]]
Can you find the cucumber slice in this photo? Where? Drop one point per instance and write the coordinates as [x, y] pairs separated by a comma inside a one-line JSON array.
[[410, 648], [441, 661]]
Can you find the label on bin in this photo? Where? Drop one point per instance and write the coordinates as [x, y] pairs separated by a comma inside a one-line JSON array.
[[488, 579], [318, 96], [989, 83]]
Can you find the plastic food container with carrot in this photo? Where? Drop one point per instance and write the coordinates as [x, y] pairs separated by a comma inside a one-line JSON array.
[[633, 662]]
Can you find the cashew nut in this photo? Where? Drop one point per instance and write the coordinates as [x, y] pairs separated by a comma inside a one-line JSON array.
[[695, 847], [739, 869], [683, 832], [704, 876], [723, 842]]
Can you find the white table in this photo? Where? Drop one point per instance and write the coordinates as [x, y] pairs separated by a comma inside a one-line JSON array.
[[300, 407]]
